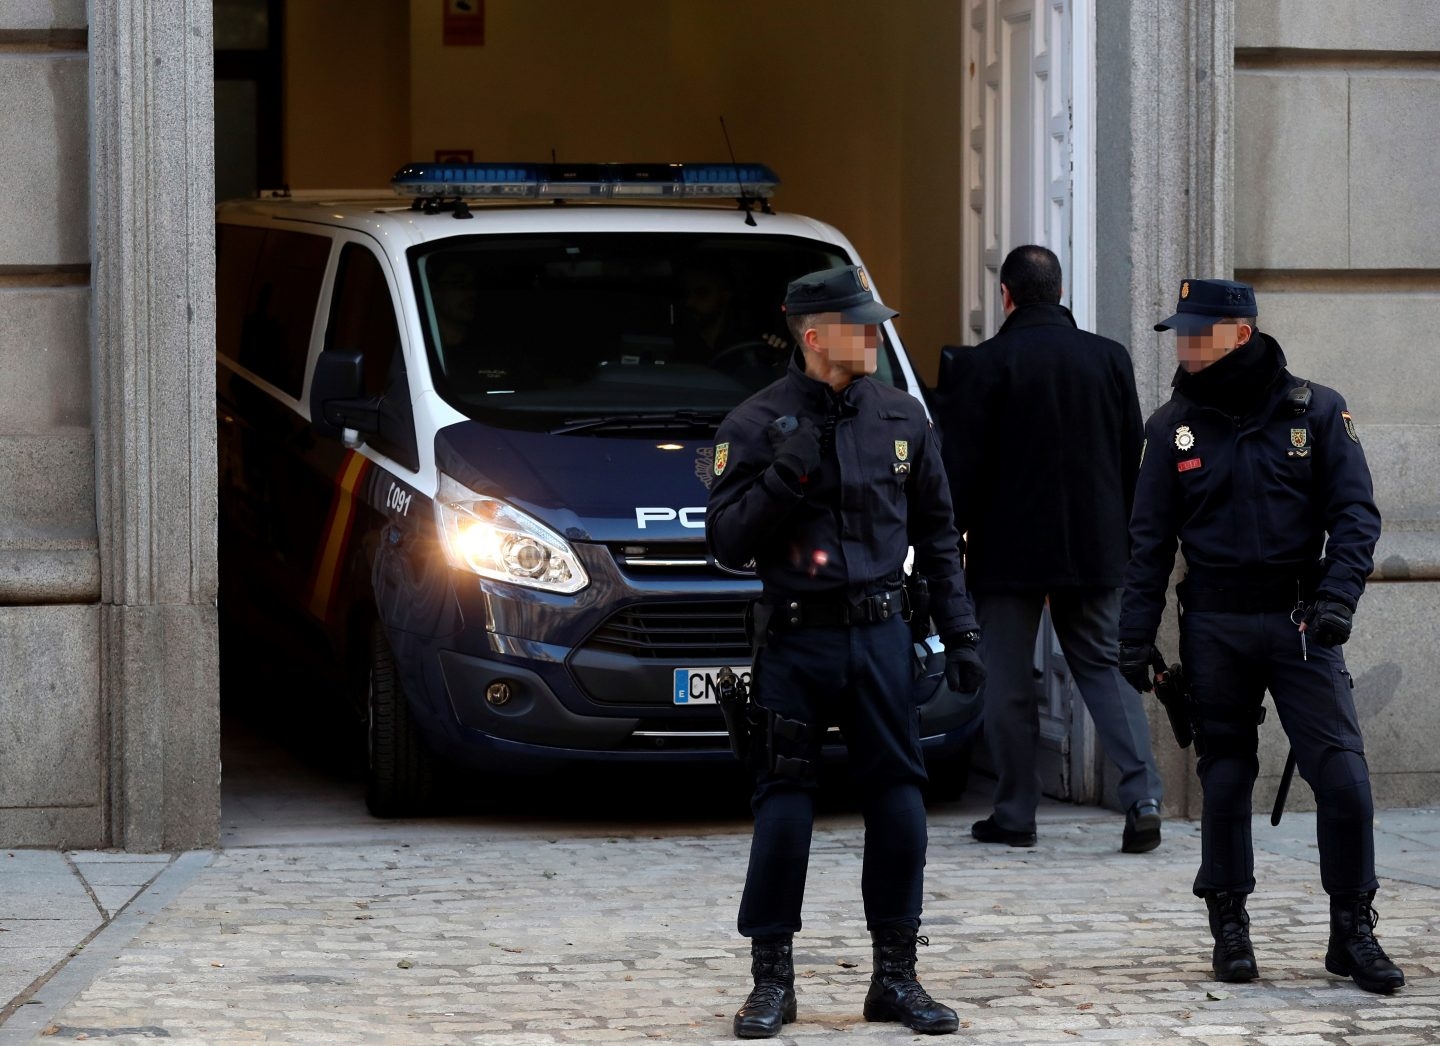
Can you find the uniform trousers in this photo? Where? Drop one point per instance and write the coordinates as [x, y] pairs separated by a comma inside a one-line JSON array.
[[1230, 660], [859, 678], [1086, 622]]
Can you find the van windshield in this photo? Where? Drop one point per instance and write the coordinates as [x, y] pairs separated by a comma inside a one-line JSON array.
[[608, 333]]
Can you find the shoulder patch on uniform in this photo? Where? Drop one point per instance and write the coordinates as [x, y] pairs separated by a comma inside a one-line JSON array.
[[722, 457], [902, 449], [1143, 447], [1349, 425]]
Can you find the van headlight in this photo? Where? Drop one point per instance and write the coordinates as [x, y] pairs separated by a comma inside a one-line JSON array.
[[488, 537]]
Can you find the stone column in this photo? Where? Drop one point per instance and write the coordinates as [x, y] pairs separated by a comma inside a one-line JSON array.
[[152, 234], [1164, 96]]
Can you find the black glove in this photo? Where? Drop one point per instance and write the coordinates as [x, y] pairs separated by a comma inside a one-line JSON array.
[[1135, 659], [797, 446], [964, 671], [1328, 620]]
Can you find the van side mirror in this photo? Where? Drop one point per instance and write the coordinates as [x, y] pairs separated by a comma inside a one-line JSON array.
[[338, 407]]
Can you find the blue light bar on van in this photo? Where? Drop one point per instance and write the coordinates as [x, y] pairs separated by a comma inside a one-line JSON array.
[[585, 180]]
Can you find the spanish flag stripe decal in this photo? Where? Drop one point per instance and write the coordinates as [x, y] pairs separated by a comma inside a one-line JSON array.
[[337, 533]]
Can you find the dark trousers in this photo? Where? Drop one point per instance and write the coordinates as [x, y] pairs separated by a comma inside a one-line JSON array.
[[859, 679], [1087, 622], [1230, 660]]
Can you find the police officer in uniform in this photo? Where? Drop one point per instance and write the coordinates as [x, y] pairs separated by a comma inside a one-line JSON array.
[[1260, 477], [823, 479]]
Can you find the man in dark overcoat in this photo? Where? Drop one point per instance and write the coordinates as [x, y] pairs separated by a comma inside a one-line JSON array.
[[1042, 436]]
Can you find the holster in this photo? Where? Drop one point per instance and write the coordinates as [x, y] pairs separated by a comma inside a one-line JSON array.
[[1187, 720], [743, 719], [767, 742], [734, 702], [1174, 697]]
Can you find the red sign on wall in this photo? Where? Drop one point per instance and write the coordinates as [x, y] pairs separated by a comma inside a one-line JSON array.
[[464, 23]]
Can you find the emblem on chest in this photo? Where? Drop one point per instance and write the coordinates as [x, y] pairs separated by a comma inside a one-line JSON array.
[[1184, 438], [901, 465]]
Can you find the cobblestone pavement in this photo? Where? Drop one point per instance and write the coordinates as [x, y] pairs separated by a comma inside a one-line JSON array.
[[477, 934]]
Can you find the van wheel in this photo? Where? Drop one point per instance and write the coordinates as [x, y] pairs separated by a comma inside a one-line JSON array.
[[400, 777]]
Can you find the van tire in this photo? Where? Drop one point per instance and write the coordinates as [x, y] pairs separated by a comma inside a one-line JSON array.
[[400, 773]]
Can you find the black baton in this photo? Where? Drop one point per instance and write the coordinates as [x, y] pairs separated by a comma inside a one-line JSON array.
[[1284, 790]]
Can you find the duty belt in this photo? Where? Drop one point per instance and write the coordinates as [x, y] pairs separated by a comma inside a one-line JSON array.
[[819, 612], [1270, 596]]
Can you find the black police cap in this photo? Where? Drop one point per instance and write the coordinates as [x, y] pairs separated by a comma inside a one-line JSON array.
[[845, 290], [1205, 302]]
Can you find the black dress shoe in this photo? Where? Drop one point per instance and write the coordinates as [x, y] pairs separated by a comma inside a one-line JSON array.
[[987, 831], [1142, 827]]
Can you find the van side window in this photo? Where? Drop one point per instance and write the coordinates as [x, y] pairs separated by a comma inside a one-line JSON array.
[[236, 249], [362, 319], [285, 270]]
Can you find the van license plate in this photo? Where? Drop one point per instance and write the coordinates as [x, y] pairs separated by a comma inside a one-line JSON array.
[[699, 686]]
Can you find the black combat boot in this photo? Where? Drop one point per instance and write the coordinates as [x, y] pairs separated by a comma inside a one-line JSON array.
[[1354, 951], [772, 1000], [895, 994], [1233, 958]]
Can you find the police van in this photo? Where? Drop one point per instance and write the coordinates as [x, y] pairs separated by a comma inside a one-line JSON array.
[[465, 441]]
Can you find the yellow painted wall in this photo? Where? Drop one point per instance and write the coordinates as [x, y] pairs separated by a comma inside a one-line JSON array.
[[856, 104], [347, 92]]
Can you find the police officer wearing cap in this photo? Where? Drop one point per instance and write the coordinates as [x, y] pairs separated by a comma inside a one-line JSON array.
[[823, 480], [1260, 477]]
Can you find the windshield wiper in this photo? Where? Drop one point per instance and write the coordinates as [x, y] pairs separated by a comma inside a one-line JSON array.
[[675, 419]]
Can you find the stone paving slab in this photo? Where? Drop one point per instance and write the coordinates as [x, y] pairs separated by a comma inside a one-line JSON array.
[[115, 878], [602, 935], [45, 912]]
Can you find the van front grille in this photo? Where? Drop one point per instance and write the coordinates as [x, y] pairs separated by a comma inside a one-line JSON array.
[[699, 633], [671, 558]]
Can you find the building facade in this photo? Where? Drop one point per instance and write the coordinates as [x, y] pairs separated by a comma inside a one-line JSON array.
[[1286, 141]]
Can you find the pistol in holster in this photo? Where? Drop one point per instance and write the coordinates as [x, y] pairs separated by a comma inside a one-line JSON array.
[[763, 740], [734, 702], [737, 706], [1174, 696]]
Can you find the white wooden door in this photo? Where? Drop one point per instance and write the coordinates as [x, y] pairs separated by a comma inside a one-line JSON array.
[[1019, 163], [1019, 175]]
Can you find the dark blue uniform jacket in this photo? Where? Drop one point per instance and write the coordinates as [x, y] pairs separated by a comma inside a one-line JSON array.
[[843, 534], [1250, 499]]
